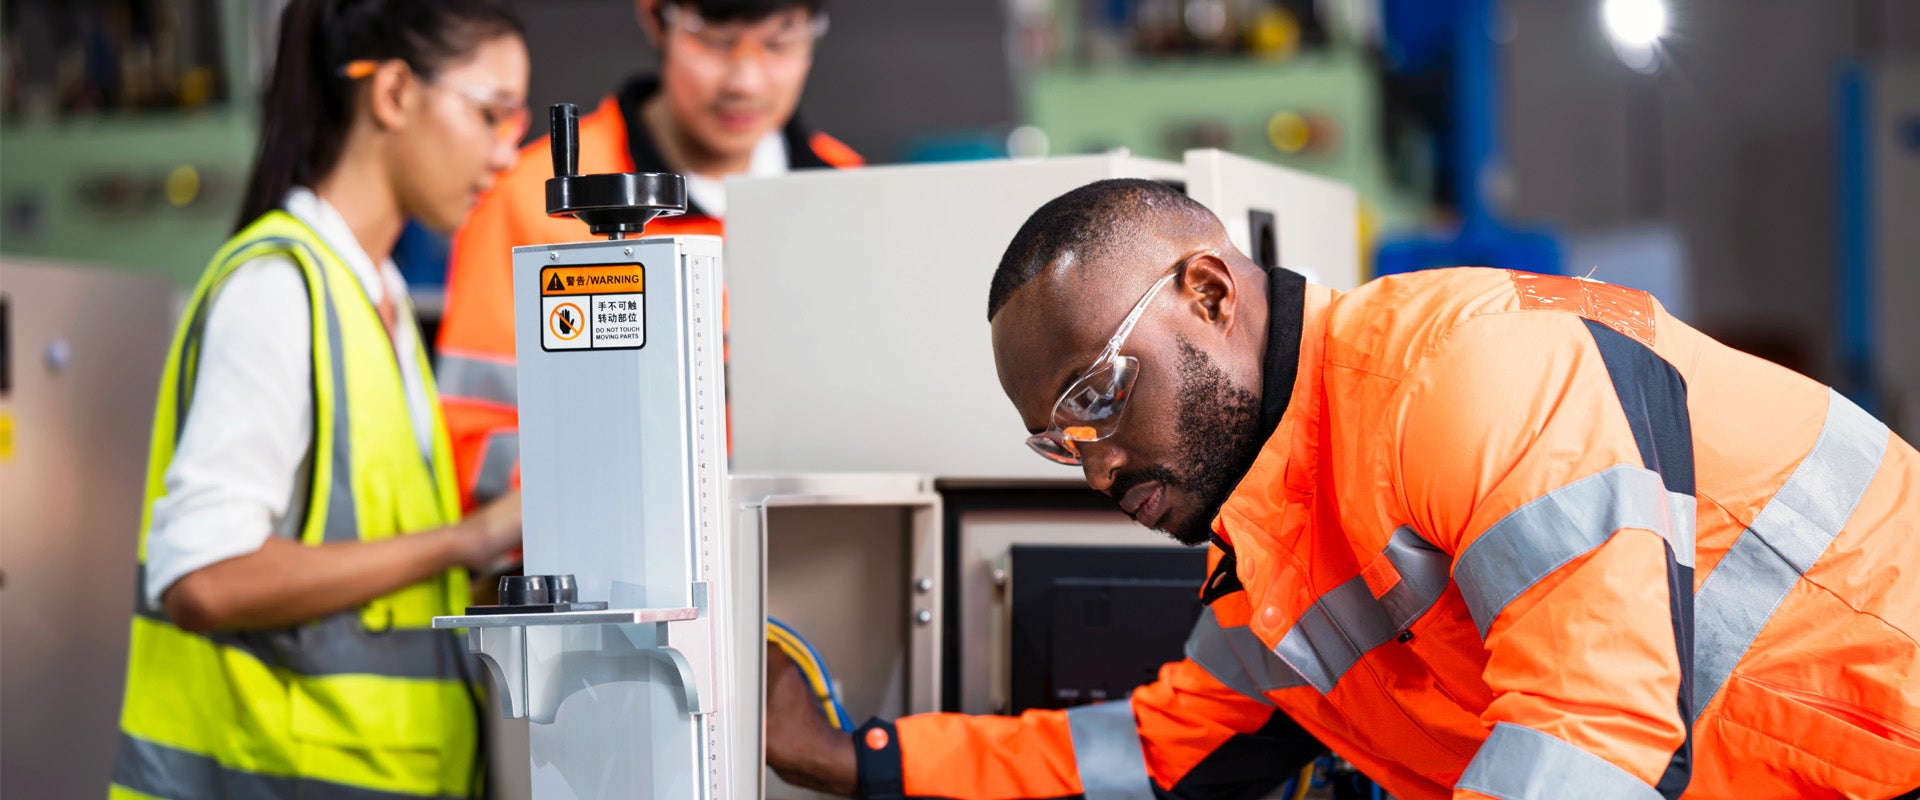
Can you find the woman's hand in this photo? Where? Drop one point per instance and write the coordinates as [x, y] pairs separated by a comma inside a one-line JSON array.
[[490, 531]]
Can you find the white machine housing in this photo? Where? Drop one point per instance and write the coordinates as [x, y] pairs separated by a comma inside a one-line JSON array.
[[859, 324], [624, 487]]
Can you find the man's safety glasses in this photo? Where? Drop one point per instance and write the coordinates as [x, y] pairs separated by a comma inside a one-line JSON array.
[[1090, 409], [728, 42]]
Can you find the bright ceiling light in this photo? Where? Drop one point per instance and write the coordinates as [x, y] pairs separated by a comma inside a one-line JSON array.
[[1635, 23], [1635, 28]]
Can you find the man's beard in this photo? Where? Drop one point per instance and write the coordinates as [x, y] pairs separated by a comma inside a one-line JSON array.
[[1219, 433]]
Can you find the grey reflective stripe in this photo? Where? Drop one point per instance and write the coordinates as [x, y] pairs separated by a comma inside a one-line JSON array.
[[1348, 622], [157, 770], [497, 460], [1423, 577], [140, 607], [343, 522], [1520, 763], [1106, 751], [342, 645], [1786, 538], [339, 645], [1553, 529], [1236, 658], [477, 379], [187, 367], [1334, 633]]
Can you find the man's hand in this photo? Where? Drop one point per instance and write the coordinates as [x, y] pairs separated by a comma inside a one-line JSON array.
[[801, 747]]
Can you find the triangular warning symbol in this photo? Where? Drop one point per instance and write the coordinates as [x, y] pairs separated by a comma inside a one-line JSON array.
[[553, 285]]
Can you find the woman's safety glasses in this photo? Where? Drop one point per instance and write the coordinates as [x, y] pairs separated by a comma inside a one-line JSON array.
[[1091, 407], [506, 118]]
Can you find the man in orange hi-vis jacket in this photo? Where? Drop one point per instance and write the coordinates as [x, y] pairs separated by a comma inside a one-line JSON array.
[[731, 74], [1500, 535]]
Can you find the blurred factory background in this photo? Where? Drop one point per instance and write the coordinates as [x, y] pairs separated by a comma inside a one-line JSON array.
[[1742, 167], [1755, 164]]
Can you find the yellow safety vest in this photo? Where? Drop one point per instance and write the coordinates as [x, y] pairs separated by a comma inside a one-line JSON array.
[[369, 703]]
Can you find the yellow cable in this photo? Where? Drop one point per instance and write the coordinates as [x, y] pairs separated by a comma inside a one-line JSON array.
[[801, 657], [809, 667], [805, 661], [1306, 781], [788, 645]]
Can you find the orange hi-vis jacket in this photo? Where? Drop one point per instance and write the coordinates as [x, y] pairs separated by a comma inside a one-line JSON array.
[[1519, 536], [475, 367]]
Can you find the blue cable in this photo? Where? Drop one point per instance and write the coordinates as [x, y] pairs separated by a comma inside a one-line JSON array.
[[833, 694]]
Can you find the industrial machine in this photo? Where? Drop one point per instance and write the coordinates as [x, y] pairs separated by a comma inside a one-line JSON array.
[[1068, 606], [632, 645], [616, 643]]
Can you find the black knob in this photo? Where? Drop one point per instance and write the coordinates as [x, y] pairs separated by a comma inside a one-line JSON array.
[[525, 590], [565, 127], [615, 204]]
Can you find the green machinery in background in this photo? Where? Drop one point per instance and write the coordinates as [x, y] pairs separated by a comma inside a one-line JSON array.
[[1274, 80], [128, 128], [150, 196]]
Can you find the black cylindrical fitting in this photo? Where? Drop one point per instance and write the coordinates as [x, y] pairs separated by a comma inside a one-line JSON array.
[[525, 590]]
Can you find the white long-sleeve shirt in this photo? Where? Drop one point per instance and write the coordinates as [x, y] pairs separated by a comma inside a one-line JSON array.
[[240, 459]]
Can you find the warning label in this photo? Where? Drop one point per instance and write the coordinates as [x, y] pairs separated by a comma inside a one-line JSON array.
[[597, 279], [598, 307]]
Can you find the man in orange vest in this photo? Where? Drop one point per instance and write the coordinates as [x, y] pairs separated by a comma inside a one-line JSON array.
[[731, 74], [1497, 535]]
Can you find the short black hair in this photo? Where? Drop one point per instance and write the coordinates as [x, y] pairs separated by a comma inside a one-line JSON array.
[[744, 10], [1089, 222]]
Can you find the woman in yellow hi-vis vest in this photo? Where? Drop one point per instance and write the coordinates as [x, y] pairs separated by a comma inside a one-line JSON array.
[[302, 526]]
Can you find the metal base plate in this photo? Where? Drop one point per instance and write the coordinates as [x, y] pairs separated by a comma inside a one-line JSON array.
[[618, 616], [537, 608]]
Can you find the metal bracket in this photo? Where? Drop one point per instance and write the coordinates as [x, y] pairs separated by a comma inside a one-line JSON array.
[[503, 651], [682, 637], [687, 644]]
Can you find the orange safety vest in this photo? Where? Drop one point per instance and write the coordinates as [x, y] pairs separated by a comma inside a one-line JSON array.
[[475, 366], [1519, 536]]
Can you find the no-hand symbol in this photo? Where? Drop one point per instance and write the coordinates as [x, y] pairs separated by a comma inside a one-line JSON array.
[[566, 321]]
